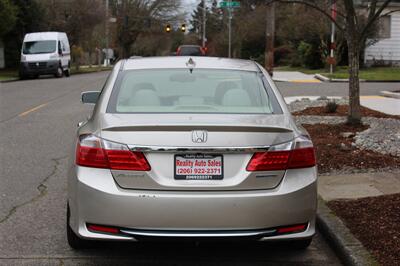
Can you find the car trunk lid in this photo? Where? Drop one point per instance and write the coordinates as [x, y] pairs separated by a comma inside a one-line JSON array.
[[230, 140]]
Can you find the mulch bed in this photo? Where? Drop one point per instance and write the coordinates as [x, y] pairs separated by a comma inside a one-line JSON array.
[[331, 156], [375, 222], [343, 110]]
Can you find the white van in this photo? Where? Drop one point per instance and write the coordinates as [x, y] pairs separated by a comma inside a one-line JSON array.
[[45, 53]]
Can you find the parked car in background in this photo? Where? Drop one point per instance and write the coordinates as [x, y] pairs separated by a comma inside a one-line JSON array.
[[190, 50], [190, 147], [45, 53]]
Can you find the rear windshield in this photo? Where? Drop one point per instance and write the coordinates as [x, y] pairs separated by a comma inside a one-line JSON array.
[[180, 91], [39, 47], [190, 50]]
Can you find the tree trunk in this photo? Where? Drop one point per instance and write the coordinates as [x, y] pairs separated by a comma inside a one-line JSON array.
[[126, 50], [90, 58], [270, 38], [354, 116]]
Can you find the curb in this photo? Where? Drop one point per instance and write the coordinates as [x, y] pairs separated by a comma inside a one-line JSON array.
[[9, 80], [321, 78], [326, 79], [382, 81], [280, 80], [97, 71], [347, 247], [297, 80], [390, 94]]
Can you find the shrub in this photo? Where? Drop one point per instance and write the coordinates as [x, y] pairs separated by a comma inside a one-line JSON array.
[[282, 55], [310, 55], [76, 54], [331, 107]]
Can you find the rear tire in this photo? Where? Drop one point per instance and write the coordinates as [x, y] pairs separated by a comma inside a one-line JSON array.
[[75, 241], [22, 76], [59, 72], [67, 73]]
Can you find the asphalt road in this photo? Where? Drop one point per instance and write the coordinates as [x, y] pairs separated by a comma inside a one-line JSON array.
[[38, 119]]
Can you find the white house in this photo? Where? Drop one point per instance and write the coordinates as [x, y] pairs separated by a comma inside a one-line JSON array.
[[386, 51]]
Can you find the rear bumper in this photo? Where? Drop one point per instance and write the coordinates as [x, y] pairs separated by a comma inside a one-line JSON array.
[[95, 198], [39, 68]]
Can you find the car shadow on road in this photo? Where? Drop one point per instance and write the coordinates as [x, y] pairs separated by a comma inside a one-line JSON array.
[[193, 253]]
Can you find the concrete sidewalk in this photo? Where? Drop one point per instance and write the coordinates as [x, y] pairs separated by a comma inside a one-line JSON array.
[[355, 186], [385, 105], [294, 76]]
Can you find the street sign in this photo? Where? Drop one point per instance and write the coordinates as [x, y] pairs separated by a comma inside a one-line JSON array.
[[231, 4]]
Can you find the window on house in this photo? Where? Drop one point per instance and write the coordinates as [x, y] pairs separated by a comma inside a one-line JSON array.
[[384, 27]]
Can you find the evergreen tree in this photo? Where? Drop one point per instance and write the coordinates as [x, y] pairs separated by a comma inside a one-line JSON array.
[[29, 19], [8, 16]]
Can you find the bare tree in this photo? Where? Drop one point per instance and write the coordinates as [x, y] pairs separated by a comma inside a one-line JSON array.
[[76, 17], [136, 16], [355, 21]]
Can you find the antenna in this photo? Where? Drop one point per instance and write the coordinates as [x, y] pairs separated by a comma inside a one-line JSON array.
[[190, 64]]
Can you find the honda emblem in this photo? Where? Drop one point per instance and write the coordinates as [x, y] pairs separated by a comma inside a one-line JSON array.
[[199, 136]]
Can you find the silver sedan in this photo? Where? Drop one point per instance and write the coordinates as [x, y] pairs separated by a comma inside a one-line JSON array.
[[190, 147]]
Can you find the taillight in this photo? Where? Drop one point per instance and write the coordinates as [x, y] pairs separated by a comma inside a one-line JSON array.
[[102, 229], [269, 161], [92, 151], [291, 155], [292, 229], [302, 158]]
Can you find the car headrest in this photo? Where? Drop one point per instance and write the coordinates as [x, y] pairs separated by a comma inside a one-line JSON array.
[[236, 97], [143, 86], [145, 98], [222, 88]]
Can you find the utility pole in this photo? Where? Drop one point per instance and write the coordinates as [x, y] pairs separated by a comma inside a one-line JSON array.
[[270, 37], [107, 63], [229, 29], [204, 24], [333, 45]]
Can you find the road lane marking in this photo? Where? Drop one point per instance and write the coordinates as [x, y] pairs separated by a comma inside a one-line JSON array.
[[32, 110], [371, 97], [305, 81]]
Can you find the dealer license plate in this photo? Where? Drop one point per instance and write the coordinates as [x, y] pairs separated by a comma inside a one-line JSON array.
[[198, 167]]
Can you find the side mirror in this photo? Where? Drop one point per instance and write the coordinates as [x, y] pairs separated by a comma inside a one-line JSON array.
[[90, 97]]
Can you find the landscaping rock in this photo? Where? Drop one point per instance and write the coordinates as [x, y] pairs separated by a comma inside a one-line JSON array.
[[343, 147], [304, 103], [347, 134], [383, 136]]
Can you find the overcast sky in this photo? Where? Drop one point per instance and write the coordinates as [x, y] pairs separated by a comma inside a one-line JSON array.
[[189, 5]]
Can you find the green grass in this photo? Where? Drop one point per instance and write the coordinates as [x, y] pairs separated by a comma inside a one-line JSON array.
[[8, 75], [373, 73], [87, 69], [299, 69], [341, 72]]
